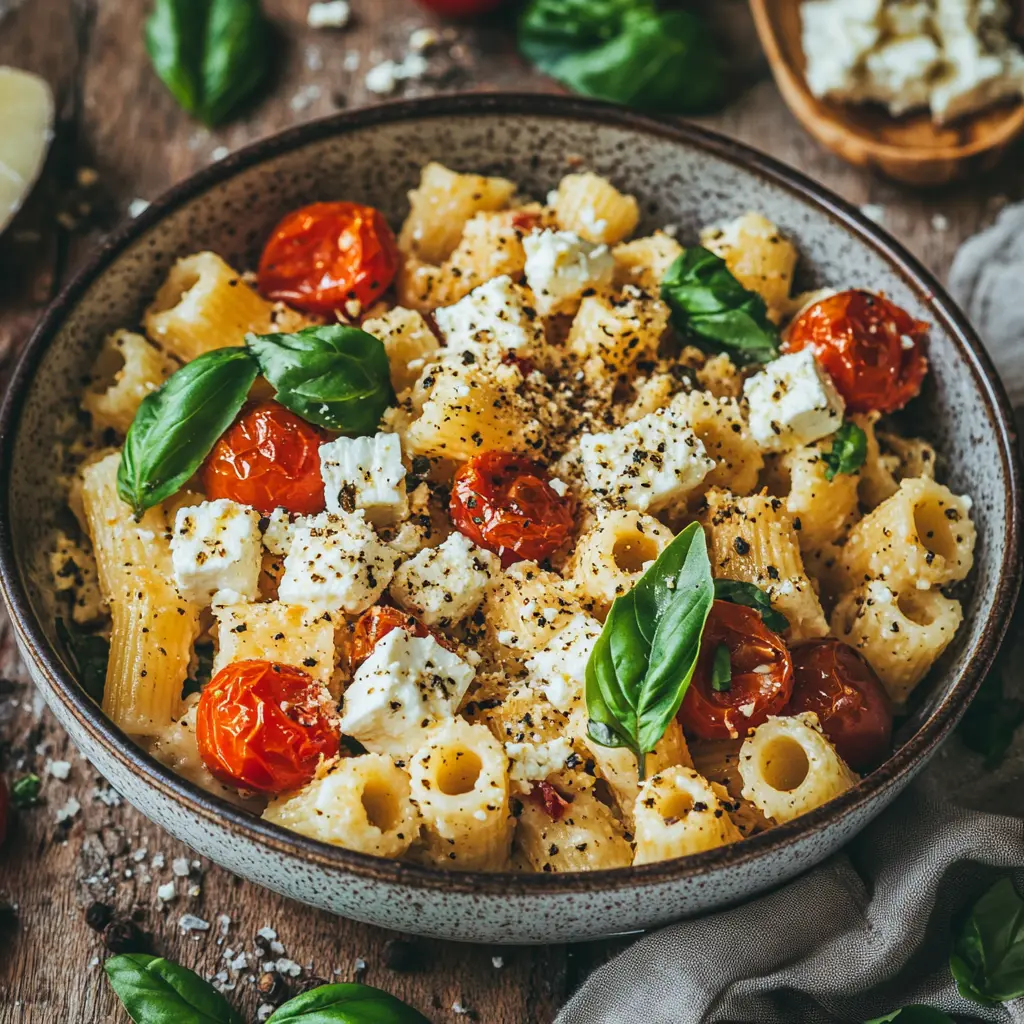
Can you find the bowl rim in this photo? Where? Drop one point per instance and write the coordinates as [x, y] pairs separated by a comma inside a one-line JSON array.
[[218, 812]]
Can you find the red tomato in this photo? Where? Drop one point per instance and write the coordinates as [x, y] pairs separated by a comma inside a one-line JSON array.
[[504, 503], [262, 726], [325, 255], [841, 688], [461, 8], [268, 458], [543, 794], [762, 675], [375, 624], [872, 349], [5, 808]]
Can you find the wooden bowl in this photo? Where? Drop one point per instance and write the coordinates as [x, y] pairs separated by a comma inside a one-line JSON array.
[[912, 149]]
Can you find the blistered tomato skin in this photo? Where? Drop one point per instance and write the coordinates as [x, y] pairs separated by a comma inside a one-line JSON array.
[[504, 503], [268, 458], [374, 624], [840, 687], [324, 256], [871, 348], [762, 676], [261, 726]]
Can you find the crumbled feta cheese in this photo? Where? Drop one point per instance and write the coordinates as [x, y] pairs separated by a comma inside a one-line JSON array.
[[330, 14], [493, 316], [366, 473], [58, 769], [498, 962], [216, 546], [165, 892], [559, 668], [180, 867], [68, 811], [137, 207], [191, 923], [561, 266], [423, 39], [407, 684], [383, 79], [792, 402], [647, 464], [335, 561], [277, 532], [534, 762]]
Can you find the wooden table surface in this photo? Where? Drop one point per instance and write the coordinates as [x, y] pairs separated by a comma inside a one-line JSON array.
[[116, 119]]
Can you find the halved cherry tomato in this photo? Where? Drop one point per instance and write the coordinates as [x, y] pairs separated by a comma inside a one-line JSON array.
[[323, 256], [5, 808], [504, 503], [375, 624], [543, 794], [762, 675], [268, 458], [872, 349], [262, 726], [461, 8], [840, 687]]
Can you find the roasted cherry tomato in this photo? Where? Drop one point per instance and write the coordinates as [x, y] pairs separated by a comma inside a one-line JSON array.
[[323, 256], [840, 687], [544, 795], [504, 503], [461, 8], [762, 675], [268, 458], [872, 349], [263, 726], [5, 808], [375, 624]]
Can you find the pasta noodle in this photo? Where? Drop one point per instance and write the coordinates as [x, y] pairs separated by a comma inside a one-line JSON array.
[[594, 209]]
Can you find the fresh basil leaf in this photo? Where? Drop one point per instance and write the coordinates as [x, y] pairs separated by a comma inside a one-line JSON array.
[[642, 663], [714, 309], [25, 791], [552, 29], [337, 377], [988, 955], [993, 717], [211, 54], [914, 1015], [751, 595], [157, 991], [721, 670], [849, 450], [90, 654], [177, 425], [346, 1004]]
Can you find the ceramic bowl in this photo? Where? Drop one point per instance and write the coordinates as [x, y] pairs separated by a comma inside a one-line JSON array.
[[683, 176]]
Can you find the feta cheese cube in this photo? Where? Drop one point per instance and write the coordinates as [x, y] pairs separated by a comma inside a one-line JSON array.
[[647, 464], [792, 402], [335, 562], [559, 668], [277, 532], [216, 546], [899, 74], [491, 319], [534, 762], [976, 77], [366, 473], [837, 36], [328, 14], [406, 685], [561, 266], [444, 584]]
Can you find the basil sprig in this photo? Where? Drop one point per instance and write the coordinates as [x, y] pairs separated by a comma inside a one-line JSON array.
[[177, 425], [211, 54], [849, 450], [988, 955], [751, 595], [625, 51], [914, 1015], [642, 663], [716, 311], [346, 1004], [337, 377]]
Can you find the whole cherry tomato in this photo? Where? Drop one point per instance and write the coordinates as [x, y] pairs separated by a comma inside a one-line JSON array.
[[323, 256], [504, 503], [5, 808], [375, 624], [840, 687], [262, 726], [268, 458], [872, 349], [461, 8], [762, 675]]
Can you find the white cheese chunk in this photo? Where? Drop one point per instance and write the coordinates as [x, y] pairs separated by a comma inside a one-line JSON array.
[[366, 473], [277, 532], [534, 762], [561, 267], [559, 668], [406, 685], [335, 562], [899, 74], [328, 14], [792, 402], [837, 36], [976, 76], [216, 546], [646, 464], [444, 584], [492, 319]]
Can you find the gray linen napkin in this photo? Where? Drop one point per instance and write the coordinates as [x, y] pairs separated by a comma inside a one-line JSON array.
[[869, 930]]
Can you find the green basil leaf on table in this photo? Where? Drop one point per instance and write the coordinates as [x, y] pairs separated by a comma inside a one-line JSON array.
[[25, 791], [177, 425], [90, 653], [721, 670], [751, 595], [211, 54], [346, 1004], [716, 311], [642, 663], [336, 377], [849, 450], [988, 954], [914, 1015], [626, 51], [157, 991]]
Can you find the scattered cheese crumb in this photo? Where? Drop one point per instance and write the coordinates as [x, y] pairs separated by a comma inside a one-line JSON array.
[[498, 962], [137, 207], [180, 866], [166, 892], [68, 811], [191, 923], [58, 769], [330, 14]]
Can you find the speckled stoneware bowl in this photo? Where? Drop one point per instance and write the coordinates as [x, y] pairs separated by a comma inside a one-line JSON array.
[[681, 175]]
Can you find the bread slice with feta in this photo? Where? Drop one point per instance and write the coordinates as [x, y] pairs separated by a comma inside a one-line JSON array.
[[365, 473]]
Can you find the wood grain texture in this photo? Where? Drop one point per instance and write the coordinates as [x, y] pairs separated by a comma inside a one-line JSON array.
[[118, 119]]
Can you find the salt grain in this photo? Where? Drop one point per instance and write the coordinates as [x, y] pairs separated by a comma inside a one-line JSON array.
[[191, 923], [180, 866]]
